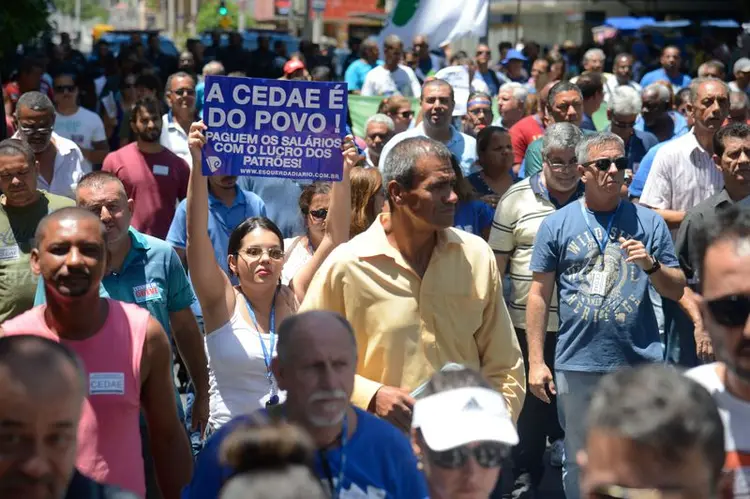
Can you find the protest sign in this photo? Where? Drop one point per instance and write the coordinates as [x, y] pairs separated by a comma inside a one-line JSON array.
[[274, 128]]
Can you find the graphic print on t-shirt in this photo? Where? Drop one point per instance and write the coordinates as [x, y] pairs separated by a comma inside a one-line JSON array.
[[602, 280]]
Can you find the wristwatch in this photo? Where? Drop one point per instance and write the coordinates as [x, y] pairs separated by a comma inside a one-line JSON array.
[[655, 266]]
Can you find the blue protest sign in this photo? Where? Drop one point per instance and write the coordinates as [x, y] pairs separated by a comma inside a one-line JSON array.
[[274, 128]]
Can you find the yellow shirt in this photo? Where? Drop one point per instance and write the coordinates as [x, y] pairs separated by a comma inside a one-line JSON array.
[[408, 327]]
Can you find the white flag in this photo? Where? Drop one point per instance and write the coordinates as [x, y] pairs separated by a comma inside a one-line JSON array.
[[442, 21]]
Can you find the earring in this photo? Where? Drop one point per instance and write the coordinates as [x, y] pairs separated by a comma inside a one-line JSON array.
[[420, 464]]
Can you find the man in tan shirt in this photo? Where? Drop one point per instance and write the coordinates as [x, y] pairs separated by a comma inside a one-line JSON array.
[[419, 293]]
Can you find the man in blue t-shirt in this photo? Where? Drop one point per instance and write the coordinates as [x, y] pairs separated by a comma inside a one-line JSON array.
[[356, 72], [669, 70], [358, 454], [602, 253]]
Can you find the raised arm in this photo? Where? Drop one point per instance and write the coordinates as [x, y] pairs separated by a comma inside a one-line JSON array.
[[212, 286], [338, 223]]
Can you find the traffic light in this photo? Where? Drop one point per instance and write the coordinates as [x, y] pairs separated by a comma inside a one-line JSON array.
[[223, 8]]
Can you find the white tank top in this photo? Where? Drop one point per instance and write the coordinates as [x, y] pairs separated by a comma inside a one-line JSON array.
[[237, 381]]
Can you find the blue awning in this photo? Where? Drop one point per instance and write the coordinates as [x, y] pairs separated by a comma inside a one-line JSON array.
[[629, 23], [679, 23]]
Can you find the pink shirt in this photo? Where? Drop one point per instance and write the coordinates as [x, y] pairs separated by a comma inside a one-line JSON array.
[[109, 441], [155, 182]]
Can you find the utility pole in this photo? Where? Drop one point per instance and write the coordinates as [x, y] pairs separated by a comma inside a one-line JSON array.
[[518, 21], [193, 17], [170, 18], [307, 32], [241, 6]]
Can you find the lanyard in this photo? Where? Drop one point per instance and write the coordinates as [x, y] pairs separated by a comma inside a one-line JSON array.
[[336, 490], [267, 355], [603, 244]]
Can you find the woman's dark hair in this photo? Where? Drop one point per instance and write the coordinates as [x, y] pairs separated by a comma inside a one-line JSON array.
[[442, 381], [464, 190], [273, 461], [485, 135], [249, 225], [309, 191]]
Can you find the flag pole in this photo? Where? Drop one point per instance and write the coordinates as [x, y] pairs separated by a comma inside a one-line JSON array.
[[518, 21], [486, 36]]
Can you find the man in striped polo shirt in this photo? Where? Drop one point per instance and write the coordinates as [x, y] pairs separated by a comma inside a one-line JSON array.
[[518, 216]]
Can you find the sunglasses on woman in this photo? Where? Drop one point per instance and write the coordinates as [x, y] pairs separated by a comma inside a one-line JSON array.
[[603, 164], [730, 311], [486, 454], [320, 214]]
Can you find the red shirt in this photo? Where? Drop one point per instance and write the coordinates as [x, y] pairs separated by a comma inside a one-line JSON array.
[[155, 183], [524, 133]]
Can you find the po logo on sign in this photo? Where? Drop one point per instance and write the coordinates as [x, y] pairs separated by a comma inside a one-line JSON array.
[[214, 163]]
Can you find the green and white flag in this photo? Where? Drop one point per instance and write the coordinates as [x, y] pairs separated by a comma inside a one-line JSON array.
[[441, 21]]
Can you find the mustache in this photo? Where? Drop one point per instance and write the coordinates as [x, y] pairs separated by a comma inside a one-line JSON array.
[[328, 395]]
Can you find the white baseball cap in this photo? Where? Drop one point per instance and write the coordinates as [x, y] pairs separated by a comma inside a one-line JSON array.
[[458, 417]]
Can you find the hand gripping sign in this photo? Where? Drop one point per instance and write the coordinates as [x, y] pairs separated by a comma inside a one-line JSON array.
[[274, 128]]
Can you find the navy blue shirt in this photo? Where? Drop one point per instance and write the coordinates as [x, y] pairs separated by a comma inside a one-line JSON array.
[[637, 146], [606, 317], [473, 216], [379, 460], [587, 123]]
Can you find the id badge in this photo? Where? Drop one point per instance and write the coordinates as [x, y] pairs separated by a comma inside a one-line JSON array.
[[598, 281]]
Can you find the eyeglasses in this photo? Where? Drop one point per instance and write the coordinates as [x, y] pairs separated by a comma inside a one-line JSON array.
[[33, 130], [487, 455], [563, 166], [320, 214], [405, 114], [622, 124], [181, 92], [730, 311], [483, 52], [65, 88], [603, 164], [381, 136], [256, 252]]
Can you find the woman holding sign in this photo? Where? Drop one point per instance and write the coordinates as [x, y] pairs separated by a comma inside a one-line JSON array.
[[241, 321]]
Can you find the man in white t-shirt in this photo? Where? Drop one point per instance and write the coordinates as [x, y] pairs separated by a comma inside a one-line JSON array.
[[723, 259], [392, 78], [77, 123], [61, 163]]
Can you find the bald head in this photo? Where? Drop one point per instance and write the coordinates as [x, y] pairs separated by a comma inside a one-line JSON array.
[[41, 366], [71, 213], [311, 324]]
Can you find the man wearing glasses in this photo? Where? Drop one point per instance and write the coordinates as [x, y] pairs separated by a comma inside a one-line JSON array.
[[723, 260], [602, 252], [180, 94], [490, 77], [517, 220], [61, 163], [427, 63]]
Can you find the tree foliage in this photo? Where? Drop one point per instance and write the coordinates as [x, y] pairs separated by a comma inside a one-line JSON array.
[[21, 22], [209, 18], [90, 9]]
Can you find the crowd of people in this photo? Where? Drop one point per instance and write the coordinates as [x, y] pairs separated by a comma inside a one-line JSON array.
[[483, 293]]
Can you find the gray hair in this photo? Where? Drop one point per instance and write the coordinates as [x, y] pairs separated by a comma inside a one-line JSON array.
[[738, 100], [392, 40], [369, 42], [380, 118], [36, 101], [17, 147], [592, 53], [213, 68], [625, 100], [596, 140], [520, 93], [658, 407], [696, 84], [560, 136], [661, 90], [401, 162], [178, 74]]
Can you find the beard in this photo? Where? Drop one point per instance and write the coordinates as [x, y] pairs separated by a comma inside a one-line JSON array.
[[149, 136]]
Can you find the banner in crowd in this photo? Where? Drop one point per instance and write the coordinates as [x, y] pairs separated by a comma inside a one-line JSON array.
[[442, 21], [274, 128]]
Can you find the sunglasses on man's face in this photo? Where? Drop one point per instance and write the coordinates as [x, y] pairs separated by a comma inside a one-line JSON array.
[[730, 311], [483, 52], [181, 92], [406, 114], [603, 164], [320, 214], [486, 454]]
